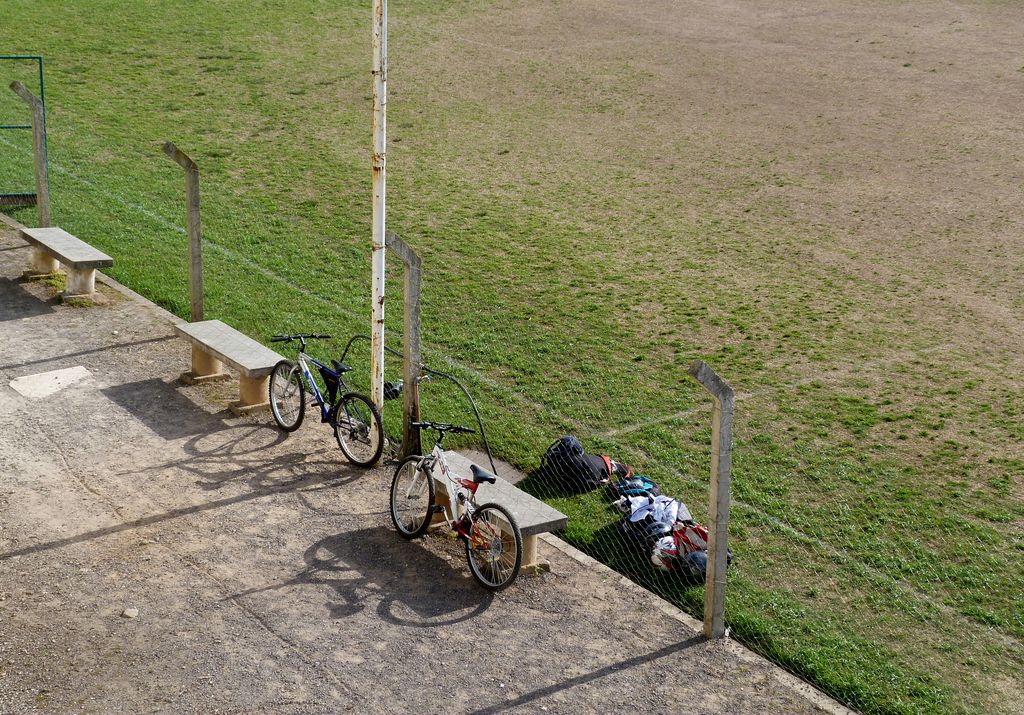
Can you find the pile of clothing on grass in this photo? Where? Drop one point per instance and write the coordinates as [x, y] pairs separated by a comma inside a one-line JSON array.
[[661, 524]]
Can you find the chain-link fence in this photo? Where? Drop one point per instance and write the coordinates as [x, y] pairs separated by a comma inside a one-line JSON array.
[[845, 568], [850, 565], [17, 176], [876, 539], [894, 584]]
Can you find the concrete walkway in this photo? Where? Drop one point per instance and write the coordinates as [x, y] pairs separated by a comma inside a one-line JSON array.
[[159, 555]]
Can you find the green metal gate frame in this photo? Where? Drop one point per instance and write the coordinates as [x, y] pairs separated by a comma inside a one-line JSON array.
[[26, 198]]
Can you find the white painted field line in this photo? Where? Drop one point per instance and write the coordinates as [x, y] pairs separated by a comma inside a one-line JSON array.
[[744, 396]]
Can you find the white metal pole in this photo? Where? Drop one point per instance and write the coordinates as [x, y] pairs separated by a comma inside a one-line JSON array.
[[380, 94]]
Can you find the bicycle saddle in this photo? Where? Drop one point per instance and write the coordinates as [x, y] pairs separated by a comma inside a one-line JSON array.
[[341, 367], [482, 475]]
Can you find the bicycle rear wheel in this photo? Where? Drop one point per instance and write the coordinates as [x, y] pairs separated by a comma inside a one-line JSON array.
[[287, 395], [358, 428], [412, 499], [495, 547]]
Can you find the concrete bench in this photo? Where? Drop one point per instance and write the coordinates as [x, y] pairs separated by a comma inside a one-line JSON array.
[[533, 516], [213, 345], [53, 245]]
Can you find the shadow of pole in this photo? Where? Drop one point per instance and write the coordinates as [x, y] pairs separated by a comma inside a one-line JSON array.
[[588, 677], [295, 481], [82, 353]]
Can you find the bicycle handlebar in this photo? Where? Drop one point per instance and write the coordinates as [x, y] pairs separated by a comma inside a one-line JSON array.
[[443, 427], [300, 336]]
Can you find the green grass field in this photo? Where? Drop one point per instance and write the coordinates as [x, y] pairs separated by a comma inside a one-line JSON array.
[[826, 212]]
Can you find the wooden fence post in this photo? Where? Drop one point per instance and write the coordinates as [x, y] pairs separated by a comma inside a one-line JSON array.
[[718, 507], [195, 243], [39, 150], [411, 361]]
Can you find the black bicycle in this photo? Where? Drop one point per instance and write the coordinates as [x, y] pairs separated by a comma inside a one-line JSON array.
[[355, 419]]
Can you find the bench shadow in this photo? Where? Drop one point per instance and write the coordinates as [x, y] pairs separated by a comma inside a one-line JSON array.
[[412, 586], [17, 303], [164, 410]]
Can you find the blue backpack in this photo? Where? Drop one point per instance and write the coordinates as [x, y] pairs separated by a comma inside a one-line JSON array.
[[633, 486]]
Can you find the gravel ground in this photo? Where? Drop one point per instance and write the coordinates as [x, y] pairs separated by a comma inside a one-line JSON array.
[[159, 555]]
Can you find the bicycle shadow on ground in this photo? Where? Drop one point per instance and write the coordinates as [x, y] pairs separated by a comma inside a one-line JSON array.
[[250, 454], [411, 585], [17, 302], [416, 587], [277, 475]]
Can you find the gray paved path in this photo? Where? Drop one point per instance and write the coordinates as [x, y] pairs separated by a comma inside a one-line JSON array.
[[264, 569]]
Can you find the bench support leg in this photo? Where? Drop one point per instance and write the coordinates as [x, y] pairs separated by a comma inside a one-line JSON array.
[[440, 497], [253, 393], [81, 282], [205, 368], [41, 264], [532, 564]]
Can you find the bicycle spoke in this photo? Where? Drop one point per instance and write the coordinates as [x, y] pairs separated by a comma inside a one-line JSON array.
[[287, 396], [412, 499], [493, 549], [358, 429]]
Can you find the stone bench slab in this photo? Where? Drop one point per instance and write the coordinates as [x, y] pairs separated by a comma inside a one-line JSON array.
[[69, 250], [533, 515], [249, 357]]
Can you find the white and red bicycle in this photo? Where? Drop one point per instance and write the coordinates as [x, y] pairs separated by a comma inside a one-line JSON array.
[[494, 544]]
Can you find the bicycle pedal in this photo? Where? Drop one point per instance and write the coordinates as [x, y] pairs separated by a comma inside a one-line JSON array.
[[437, 509]]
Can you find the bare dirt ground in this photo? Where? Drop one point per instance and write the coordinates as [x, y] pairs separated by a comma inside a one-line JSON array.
[[882, 139], [262, 571]]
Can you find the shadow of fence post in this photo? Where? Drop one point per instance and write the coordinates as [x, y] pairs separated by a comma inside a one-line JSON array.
[[718, 507]]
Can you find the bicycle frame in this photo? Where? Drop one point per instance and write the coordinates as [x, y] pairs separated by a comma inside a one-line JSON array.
[[454, 487], [325, 407]]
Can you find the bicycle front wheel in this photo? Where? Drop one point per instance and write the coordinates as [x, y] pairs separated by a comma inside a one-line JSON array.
[[412, 498], [287, 395], [494, 549], [358, 428]]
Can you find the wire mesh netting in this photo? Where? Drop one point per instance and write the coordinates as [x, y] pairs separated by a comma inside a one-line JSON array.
[[876, 543], [17, 177], [829, 519]]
